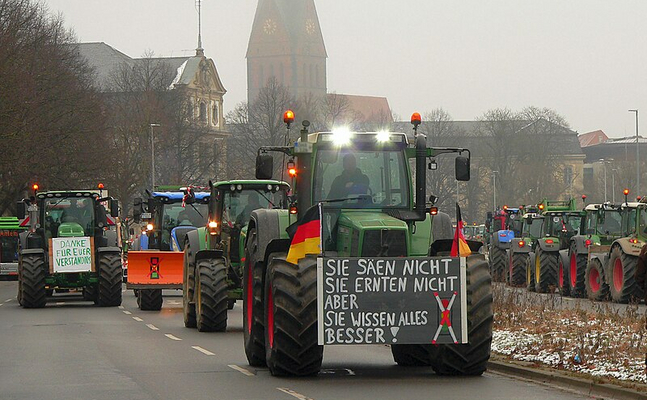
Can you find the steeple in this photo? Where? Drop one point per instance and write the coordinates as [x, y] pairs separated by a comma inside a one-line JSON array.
[[286, 43], [199, 51]]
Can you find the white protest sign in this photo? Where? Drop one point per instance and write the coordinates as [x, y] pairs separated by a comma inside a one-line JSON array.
[[72, 254]]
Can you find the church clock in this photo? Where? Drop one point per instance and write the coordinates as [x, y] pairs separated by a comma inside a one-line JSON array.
[[310, 26], [269, 26]]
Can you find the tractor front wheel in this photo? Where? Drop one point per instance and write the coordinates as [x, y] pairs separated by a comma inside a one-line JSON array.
[[518, 269], [563, 277], [150, 299], [253, 313], [530, 273], [411, 355], [32, 281], [291, 345], [545, 270], [497, 263], [472, 358], [188, 290], [622, 271], [211, 295], [596, 286], [110, 280], [576, 279]]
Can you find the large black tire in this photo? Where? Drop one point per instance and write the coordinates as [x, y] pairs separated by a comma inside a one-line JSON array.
[[563, 277], [33, 272], [577, 270], [211, 295], [110, 280], [546, 268], [518, 269], [595, 282], [253, 312], [291, 346], [90, 293], [150, 299], [471, 358], [497, 263], [530, 273], [411, 355], [188, 290], [622, 276]]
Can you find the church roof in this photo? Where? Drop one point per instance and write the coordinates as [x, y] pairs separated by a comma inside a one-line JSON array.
[[372, 108], [592, 138], [103, 58]]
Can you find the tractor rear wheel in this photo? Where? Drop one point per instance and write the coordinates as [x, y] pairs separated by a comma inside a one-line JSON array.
[[545, 270], [622, 271], [291, 343], [411, 355], [530, 273], [32, 281], [110, 280], [150, 299], [576, 279], [562, 277], [211, 295], [90, 293], [253, 312], [497, 263], [518, 269], [471, 358], [188, 290], [595, 283]]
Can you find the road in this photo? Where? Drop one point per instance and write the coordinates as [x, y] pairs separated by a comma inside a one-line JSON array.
[[74, 350]]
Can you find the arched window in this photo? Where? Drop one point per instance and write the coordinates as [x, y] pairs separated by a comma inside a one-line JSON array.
[[215, 115], [203, 112]]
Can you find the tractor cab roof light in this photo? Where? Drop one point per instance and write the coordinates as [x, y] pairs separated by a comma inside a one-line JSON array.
[[341, 136]]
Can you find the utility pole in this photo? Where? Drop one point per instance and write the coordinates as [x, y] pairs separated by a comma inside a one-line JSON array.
[[637, 156], [494, 187], [153, 156]]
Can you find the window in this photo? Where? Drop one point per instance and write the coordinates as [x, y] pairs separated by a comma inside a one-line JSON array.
[[203, 112], [215, 114], [74, 216], [568, 174]]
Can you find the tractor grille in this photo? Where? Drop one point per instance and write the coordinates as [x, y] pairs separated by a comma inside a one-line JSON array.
[[384, 243]]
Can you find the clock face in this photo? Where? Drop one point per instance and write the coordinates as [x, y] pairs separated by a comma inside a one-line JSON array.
[[310, 26], [269, 26]]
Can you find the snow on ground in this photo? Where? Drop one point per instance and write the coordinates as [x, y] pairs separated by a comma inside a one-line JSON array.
[[598, 343]]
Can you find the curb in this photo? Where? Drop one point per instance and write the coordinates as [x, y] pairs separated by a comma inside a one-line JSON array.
[[580, 385]]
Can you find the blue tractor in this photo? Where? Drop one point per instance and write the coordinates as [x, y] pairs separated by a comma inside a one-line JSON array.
[[505, 225]]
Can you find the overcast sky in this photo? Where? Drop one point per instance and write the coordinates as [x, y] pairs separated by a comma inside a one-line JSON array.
[[584, 58]]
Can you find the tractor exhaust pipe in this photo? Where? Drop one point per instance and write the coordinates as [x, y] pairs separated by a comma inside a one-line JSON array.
[[421, 176]]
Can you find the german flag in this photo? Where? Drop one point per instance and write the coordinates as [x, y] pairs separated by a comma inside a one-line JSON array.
[[306, 235], [460, 248]]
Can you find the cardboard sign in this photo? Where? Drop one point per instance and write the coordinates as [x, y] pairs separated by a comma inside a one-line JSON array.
[[73, 254], [392, 300]]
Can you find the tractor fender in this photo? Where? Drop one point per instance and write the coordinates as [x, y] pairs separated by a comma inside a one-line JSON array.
[[563, 255], [628, 247], [109, 249], [32, 251], [554, 247], [30, 240], [268, 236], [111, 238], [580, 243], [499, 241], [441, 227], [602, 257], [514, 246]]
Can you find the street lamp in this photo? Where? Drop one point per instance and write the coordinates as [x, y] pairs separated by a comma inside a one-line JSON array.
[[605, 162], [613, 185], [494, 187], [637, 156], [153, 155]]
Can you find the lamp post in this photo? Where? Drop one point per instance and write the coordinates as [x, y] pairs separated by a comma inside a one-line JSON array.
[[613, 184], [494, 187], [637, 156], [153, 155], [605, 162]]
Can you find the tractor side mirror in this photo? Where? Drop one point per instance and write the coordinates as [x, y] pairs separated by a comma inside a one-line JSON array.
[[462, 166], [21, 210], [114, 208], [264, 166], [137, 209]]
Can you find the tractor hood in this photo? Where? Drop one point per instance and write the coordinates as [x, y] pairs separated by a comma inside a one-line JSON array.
[[362, 233]]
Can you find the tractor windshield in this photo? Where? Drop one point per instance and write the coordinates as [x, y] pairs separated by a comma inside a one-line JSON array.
[[642, 223], [379, 178], [533, 229], [190, 215], [609, 222], [8, 246], [68, 217], [238, 206]]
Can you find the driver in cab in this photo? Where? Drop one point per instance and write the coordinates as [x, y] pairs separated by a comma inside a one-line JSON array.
[[350, 181]]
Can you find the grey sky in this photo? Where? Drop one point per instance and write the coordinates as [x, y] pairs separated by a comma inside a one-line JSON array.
[[584, 58]]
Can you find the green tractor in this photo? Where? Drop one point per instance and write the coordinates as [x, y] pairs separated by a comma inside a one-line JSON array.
[[214, 254], [68, 246], [561, 221], [10, 228], [520, 247], [611, 270], [338, 273]]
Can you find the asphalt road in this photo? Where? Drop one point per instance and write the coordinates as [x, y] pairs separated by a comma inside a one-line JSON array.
[[74, 350]]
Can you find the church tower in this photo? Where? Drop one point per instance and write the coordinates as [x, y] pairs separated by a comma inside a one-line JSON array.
[[286, 43]]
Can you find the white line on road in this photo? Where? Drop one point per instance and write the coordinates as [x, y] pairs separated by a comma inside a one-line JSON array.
[[126, 312], [1, 304], [241, 370], [294, 394], [138, 319], [60, 303], [168, 335], [8, 300], [203, 351], [153, 327], [121, 307]]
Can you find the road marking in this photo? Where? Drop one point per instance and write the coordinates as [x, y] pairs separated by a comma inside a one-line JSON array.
[[1, 304], [241, 370], [126, 312], [8, 300], [138, 319], [60, 303], [153, 327], [348, 371], [294, 394], [203, 351], [168, 335], [121, 307]]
